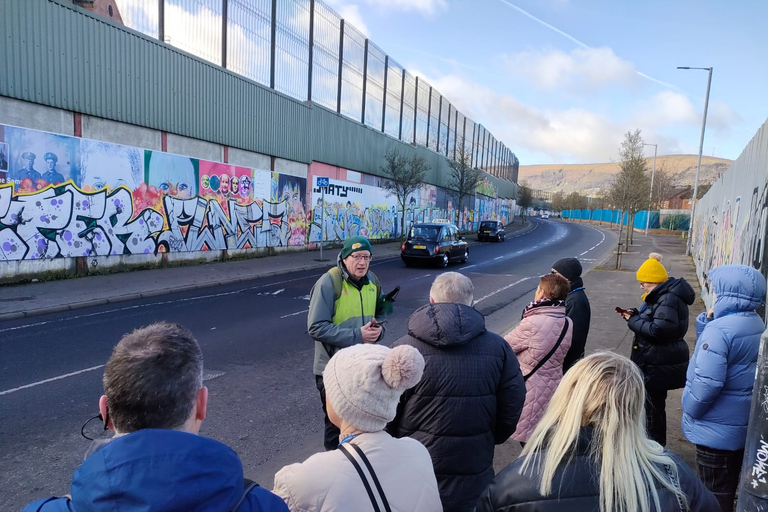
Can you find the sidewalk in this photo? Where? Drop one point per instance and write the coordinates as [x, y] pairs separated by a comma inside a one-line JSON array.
[[31, 299], [607, 288]]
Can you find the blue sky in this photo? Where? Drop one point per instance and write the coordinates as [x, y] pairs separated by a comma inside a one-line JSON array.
[[561, 81]]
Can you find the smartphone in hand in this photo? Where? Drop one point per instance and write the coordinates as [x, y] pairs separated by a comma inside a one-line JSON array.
[[622, 311], [377, 323]]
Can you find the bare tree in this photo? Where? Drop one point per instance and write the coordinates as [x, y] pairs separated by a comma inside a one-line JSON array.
[[663, 184], [524, 199], [405, 175], [558, 202], [630, 188], [464, 178]]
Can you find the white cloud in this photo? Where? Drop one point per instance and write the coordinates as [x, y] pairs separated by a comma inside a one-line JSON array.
[[351, 14], [583, 70], [664, 109]]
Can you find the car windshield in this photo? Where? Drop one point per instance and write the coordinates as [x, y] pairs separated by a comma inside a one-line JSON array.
[[423, 233], [488, 224]]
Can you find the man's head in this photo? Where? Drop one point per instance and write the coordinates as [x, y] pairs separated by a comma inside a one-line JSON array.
[[51, 159], [30, 158], [452, 287], [356, 255], [154, 379], [569, 268]]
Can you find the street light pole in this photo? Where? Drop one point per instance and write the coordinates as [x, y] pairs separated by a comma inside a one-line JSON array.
[[698, 166], [650, 196]]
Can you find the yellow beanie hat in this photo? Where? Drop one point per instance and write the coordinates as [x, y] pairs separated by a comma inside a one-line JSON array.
[[652, 271]]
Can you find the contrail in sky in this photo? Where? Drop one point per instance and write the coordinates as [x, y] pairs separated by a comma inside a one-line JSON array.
[[568, 36]]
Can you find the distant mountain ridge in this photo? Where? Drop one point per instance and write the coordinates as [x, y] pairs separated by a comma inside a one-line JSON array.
[[594, 179]]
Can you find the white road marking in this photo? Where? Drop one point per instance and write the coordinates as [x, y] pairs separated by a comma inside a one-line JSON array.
[[281, 290], [294, 314], [499, 258], [502, 289], [9, 391], [467, 267], [421, 277]]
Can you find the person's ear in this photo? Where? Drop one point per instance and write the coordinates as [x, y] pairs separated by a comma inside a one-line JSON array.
[[431, 300], [201, 403], [104, 413]]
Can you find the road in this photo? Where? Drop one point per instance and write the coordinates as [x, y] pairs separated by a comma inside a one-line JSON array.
[[258, 357]]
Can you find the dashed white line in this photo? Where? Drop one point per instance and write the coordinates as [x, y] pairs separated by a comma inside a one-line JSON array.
[[499, 258], [502, 289], [294, 314], [9, 391]]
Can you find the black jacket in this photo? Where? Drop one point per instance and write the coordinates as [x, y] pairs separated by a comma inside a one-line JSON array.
[[659, 348], [468, 400], [575, 487], [578, 310]]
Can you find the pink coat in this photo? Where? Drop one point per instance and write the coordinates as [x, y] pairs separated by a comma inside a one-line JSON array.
[[531, 340]]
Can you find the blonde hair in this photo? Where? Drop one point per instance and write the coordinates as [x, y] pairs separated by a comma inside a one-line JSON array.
[[604, 391]]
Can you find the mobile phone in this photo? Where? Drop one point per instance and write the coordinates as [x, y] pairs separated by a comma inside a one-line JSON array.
[[621, 311], [377, 323]]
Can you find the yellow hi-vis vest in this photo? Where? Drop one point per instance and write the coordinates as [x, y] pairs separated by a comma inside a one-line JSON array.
[[353, 302]]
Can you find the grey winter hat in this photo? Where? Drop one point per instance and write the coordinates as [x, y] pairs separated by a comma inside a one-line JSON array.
[[363, 383], [569, 268]]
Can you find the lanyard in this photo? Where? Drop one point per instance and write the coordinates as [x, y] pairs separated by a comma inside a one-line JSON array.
[[577, 289], [348, 438]]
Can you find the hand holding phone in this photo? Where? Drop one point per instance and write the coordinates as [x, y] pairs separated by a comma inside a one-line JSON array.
[[622, 311], [377, 323]]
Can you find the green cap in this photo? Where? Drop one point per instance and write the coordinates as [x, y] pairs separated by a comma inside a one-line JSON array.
[[354, 244]]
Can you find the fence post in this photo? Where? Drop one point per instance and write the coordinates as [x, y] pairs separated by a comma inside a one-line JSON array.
[[311, 56], [224, 4], [753, 486], [161, 20], [365, 79], [384, 96], [341, 65], [429, 114], [273, 33], [439, 122], [402, 104], [448, 130], [415, 109]]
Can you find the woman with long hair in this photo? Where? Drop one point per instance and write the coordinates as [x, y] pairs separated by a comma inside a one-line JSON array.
[[590, 452]]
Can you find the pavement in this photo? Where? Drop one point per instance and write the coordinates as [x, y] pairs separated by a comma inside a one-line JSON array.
[[606, 287], [38, 298]]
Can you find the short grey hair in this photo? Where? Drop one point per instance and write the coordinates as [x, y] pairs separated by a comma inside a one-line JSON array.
[[454, 288]]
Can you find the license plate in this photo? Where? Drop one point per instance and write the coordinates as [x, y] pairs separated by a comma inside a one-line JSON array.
[[486, 232], [419, 246]]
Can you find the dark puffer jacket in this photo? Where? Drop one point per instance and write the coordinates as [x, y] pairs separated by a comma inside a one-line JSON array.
[[659, 348], [468, 400], [578, 310], [575, 487]]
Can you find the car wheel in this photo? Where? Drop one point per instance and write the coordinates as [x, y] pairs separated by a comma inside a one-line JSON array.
[[466, 256], [444, 261], [407, 263]]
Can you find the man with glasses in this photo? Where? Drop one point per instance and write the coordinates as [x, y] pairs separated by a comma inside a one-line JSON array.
[[342, 309]]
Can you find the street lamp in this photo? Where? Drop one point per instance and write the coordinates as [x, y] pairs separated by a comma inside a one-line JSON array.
[[650, 196], [698, 166]]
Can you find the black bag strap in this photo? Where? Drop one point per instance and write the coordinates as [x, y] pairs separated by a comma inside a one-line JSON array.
[[249, 487], [367, 485], [551, 352]]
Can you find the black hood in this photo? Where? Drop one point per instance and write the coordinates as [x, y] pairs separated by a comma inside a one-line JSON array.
[[446, 324], [679, 287]]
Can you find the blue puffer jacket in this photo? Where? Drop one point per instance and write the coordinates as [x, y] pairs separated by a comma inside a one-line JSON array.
[[721, 373], [161, 471]]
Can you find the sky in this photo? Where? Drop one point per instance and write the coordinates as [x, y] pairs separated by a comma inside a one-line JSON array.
[[562, 81]]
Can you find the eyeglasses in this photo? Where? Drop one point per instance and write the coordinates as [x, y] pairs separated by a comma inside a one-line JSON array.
[[361, 257]]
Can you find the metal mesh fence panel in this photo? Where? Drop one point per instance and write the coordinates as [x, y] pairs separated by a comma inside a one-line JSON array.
[[408, 107], [434, 121], [195, 27], [394, 89], [249, 38], [140, 15], [352, 73], [374, 89], [325, 63], [422, 108], [292, 48], [460, 137], [443, 126]]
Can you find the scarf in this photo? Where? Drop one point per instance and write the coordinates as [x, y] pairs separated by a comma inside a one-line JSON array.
[[540, 303]]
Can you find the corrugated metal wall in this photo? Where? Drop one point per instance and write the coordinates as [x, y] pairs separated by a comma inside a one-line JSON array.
[[61, 56], [730, 224]]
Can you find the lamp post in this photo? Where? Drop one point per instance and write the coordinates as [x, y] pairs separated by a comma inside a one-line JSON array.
[[650, 196], [698, 166]]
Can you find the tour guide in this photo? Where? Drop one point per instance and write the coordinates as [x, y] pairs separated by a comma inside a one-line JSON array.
[[342, 307]]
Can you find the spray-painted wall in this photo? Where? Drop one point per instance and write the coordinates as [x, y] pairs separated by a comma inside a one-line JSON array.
[[69, 197], [730, 220]]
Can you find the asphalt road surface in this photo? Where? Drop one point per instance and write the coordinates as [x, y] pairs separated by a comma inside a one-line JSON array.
[[258, 357]]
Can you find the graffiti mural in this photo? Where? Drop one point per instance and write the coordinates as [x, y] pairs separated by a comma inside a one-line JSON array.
[[732, 218]]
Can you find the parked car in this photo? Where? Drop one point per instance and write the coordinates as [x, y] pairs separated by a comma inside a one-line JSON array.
[[491, 230], [544, 215], [438, 242]]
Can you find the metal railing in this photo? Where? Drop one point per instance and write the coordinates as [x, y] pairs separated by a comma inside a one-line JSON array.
[[304, 49]]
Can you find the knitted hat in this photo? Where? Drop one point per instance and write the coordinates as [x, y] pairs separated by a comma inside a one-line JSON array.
[[354, 244], [363, 383], [569, 268], [652, 271]]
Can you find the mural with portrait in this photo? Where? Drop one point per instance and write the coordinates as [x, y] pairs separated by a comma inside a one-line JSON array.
[[39, 159]]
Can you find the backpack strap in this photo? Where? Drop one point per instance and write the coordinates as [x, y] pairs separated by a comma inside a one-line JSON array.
[[364, 479], [249, 486], [551, 352]]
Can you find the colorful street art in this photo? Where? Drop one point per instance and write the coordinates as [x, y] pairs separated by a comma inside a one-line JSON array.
[[732, 218], [99, 199]]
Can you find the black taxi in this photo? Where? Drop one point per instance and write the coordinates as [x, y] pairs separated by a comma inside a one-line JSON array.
[[438, 241]]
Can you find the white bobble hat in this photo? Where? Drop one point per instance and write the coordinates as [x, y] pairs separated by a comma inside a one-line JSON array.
[[363, 383]]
